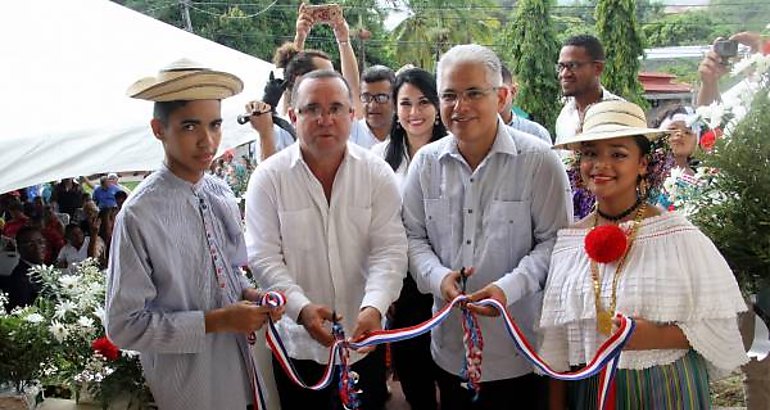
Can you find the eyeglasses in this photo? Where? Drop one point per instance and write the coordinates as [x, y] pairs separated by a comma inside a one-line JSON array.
[[471, 94], [315, 112], [366, 98], [571, 66]]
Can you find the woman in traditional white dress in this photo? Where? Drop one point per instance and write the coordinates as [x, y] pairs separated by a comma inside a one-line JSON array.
[[631, 257]]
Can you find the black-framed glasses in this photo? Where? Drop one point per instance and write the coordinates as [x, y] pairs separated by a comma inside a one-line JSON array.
[[471, 94], [366, 98], [571, 66], [315, 112]]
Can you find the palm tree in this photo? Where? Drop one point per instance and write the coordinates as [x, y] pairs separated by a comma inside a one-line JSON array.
[[436, 25]]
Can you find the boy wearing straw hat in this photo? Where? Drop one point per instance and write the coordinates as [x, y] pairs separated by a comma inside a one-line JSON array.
[[175, 292]]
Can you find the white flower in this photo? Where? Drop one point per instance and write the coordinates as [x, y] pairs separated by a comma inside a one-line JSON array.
[[717, 112], [68, 282], [99, 313], [63, 308], [129, 353], [86, 322], [34, 318], [58, 331]]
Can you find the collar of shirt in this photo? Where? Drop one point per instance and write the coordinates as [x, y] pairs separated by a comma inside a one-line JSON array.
[[606, 95], [295, 155], [503, 144]]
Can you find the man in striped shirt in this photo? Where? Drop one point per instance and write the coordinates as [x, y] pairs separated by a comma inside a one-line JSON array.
[[175, 292]]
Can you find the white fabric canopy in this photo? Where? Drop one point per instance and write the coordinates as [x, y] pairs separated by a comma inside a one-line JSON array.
[[64, 70]]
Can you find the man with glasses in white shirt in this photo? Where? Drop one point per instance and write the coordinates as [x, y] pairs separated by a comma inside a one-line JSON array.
[[374, 123], [323, 225], [580, 66], [487, 201]]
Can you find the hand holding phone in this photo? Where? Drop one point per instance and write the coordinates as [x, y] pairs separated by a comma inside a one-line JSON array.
[[325, 13]]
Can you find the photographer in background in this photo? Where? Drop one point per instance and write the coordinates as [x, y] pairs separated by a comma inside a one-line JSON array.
[[716, 63]]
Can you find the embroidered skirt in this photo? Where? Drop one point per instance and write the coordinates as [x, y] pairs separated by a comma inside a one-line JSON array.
[[681, 385]]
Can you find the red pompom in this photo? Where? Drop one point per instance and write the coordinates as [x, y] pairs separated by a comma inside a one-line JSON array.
[[709, 139], [606, 243], [106, 348]]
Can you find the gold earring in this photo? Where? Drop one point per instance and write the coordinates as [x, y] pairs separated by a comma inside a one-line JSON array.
[[641, 188]]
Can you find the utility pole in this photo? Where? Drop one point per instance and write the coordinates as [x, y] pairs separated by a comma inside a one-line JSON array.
[[186, 15]]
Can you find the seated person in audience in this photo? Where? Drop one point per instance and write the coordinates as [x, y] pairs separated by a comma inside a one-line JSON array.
[[20, 288], [17, 218], [78, 247], [104, 194], [120, 197], [68, 195]]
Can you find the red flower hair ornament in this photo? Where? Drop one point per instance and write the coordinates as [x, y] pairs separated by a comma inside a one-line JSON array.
[[606, 243]]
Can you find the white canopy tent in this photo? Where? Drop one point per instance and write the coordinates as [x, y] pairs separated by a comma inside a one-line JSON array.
[[64, 70]]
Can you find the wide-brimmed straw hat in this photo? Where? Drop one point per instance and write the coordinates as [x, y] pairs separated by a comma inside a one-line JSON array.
[[186, 80], [611, 119]]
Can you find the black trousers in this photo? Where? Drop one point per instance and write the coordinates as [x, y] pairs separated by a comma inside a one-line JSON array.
[[411, 358], [528, 392], [372, 383]]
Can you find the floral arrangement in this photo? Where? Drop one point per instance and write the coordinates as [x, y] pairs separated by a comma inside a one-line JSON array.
[[25, 343], [731, 208], [65, 327]]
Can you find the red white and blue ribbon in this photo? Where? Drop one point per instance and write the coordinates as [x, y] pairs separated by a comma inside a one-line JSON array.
[[604, 361]]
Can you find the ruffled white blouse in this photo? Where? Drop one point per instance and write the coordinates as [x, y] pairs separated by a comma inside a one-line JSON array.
[[673, 275]]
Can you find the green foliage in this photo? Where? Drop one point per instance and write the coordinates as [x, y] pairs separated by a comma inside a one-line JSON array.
[[532, 51], [620, 35], [437, 25], [741, 15], [735, 208], [686, 71], [254, 29], [25, 345], [689, 28]]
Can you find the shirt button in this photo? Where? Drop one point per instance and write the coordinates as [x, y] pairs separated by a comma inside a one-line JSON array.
[[472, 179], [470, 211], [468, 242]]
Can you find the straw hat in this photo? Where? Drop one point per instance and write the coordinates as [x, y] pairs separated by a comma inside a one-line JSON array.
[[612, 119], [186, 80]]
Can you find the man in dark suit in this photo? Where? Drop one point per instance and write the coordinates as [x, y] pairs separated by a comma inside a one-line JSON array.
[[20, 288]]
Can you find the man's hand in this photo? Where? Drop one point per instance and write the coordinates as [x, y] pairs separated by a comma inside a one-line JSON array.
[[241, 317], [314, 317], [711, 68], [750, 39], [450, 285], [490, 291], [261, 119], [254, 295], [369, 319]]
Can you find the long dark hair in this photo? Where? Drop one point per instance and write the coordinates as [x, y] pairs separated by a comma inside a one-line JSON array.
[[425, 82]]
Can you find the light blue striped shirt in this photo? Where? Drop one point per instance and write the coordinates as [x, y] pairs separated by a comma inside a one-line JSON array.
[[161, 282], [530, 127], [500, 218]]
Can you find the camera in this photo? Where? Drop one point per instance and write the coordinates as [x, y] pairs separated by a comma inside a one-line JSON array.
[[726, 48]]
